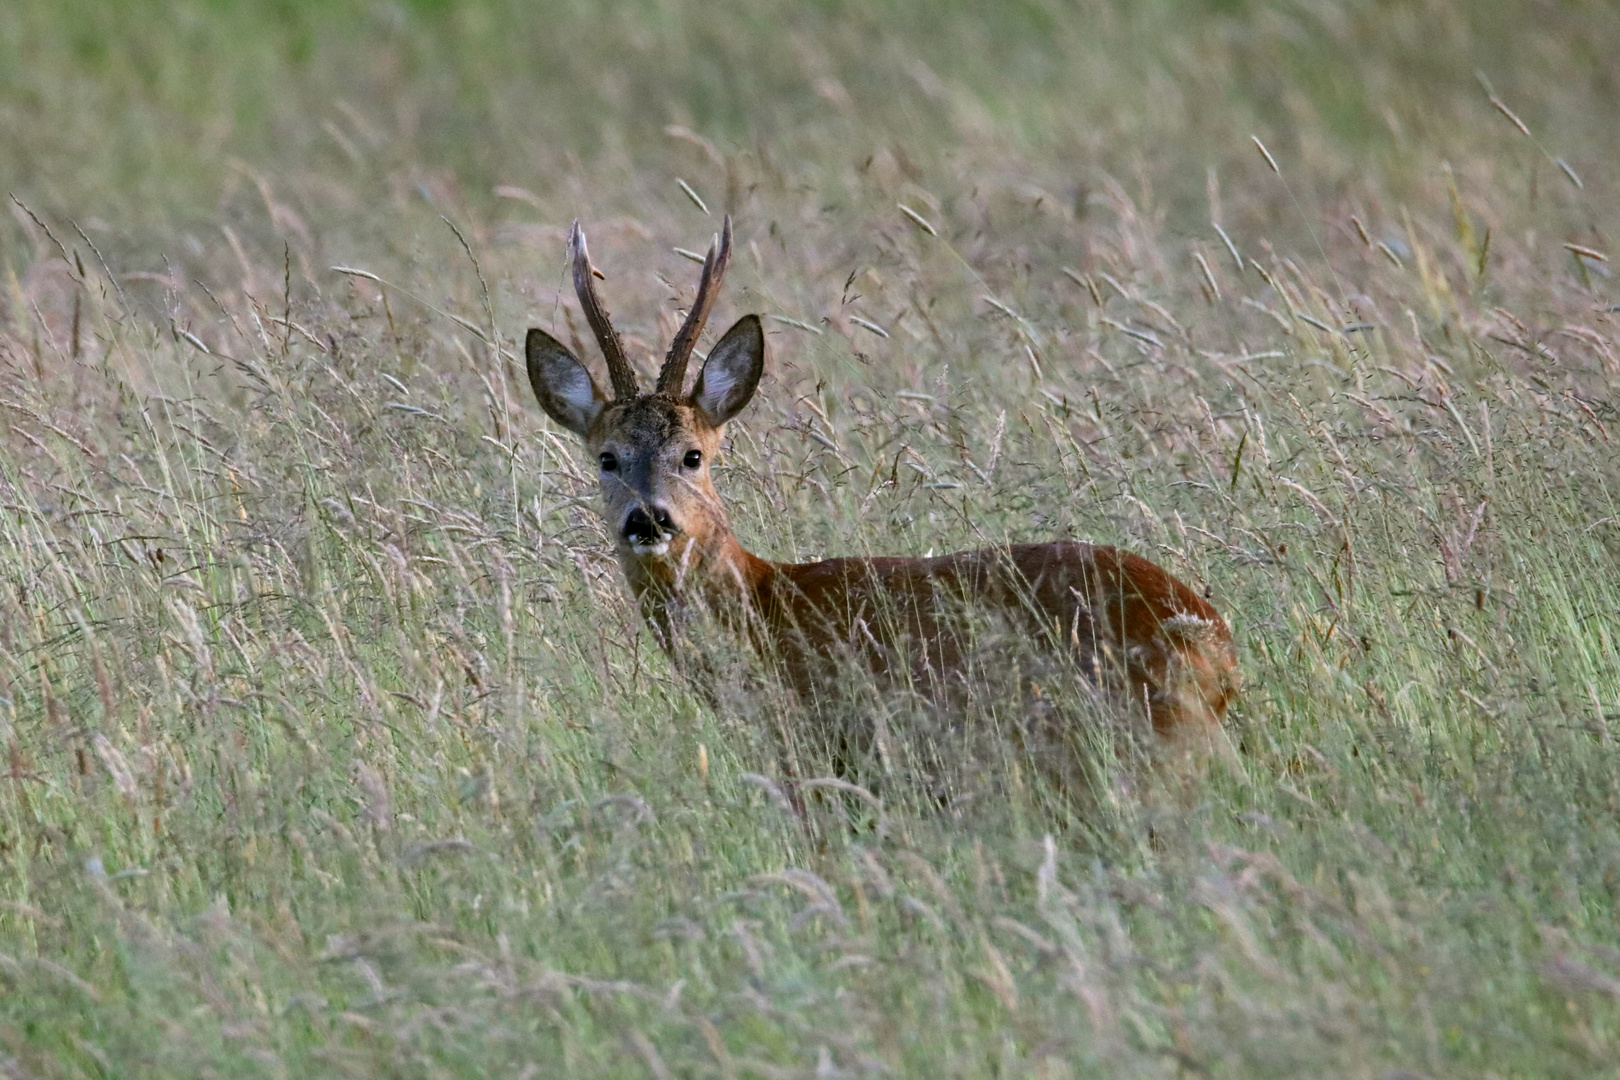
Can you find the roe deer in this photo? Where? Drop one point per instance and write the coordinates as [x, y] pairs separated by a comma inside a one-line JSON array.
[[1133, 629]]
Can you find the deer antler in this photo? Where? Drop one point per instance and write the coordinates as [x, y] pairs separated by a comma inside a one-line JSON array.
[[673, 373], [620, 372]]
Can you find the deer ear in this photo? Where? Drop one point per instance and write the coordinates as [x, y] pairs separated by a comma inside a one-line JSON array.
[[561, 384], [731, 373]]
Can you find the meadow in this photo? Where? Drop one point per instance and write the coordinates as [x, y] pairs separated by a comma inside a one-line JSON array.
[[332, 746]]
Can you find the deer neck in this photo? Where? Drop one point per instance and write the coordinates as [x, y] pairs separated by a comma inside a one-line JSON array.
[[716, 571]]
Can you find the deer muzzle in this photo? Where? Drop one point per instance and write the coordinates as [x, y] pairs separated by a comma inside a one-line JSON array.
[[648, 530]]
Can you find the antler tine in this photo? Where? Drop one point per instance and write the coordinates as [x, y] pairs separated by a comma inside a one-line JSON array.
[[620, 372], [673, 373]]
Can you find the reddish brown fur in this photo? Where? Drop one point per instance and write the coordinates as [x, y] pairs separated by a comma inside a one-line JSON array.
[[1127, 622]]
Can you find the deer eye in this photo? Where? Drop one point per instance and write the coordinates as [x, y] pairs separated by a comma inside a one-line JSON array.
[[693, 459], [610, 462]]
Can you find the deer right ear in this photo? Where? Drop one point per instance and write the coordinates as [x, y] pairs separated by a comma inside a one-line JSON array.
[[561, 384], [731, 373]]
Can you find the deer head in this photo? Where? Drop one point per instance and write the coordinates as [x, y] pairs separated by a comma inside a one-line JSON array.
[[653, 450]]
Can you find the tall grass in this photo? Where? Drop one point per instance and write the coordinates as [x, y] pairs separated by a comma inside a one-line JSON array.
[[333, 747]]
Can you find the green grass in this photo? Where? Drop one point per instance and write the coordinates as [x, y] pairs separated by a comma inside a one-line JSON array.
[[332, 746]]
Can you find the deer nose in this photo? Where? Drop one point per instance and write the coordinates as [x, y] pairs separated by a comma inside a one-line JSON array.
[[640, 527]]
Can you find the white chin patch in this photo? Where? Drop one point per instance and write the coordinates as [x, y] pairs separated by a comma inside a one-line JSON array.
[[644, 551]]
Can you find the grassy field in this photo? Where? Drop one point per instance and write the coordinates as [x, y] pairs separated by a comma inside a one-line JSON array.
[[333, 748]]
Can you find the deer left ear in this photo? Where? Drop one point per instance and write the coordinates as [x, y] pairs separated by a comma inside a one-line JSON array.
[[561, 384], [731, 373]]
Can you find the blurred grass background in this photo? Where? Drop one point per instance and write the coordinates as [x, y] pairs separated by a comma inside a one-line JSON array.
[[333, 748], [138, 109]]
